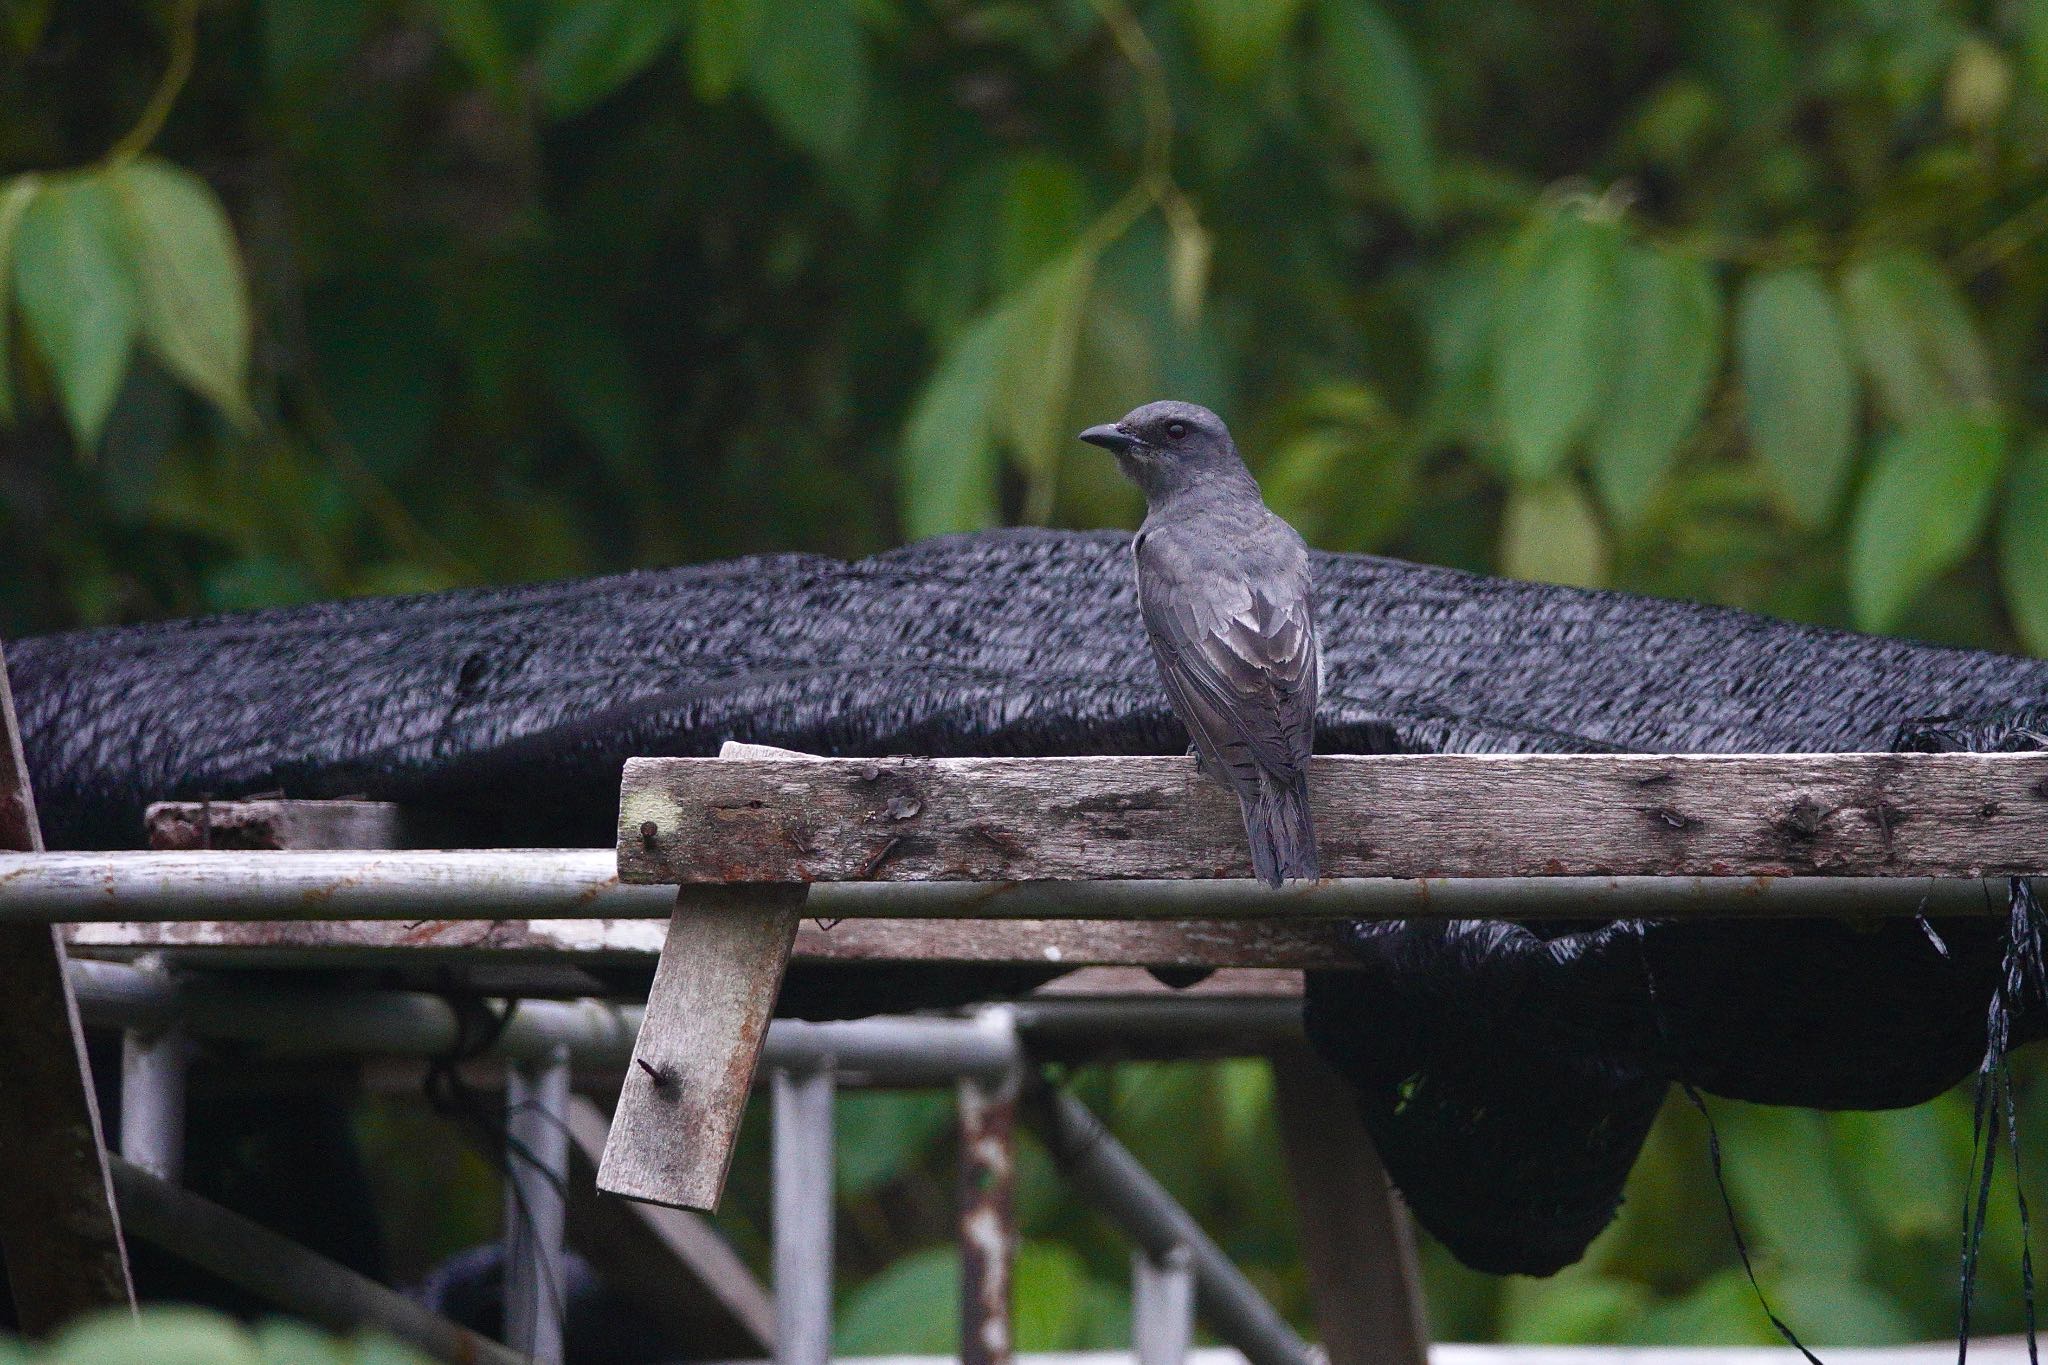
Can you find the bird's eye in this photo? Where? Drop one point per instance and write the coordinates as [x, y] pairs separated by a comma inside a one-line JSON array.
[[1176, 430]]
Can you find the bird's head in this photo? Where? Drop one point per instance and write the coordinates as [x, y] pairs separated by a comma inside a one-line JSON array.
[[1165, 447]]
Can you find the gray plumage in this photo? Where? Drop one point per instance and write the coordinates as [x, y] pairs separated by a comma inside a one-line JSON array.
[[1224, 588]]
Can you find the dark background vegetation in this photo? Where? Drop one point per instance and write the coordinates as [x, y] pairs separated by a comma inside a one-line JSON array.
[[1732, 299]]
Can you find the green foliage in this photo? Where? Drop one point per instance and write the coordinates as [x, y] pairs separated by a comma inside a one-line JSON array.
[[192, 1336], [1736, 301], [1798, 388]]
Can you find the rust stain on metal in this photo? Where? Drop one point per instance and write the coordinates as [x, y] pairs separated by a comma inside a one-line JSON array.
[[988, 1226], [879, 856]]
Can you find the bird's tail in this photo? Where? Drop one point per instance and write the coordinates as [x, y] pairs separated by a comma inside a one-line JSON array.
[[1276, 822]]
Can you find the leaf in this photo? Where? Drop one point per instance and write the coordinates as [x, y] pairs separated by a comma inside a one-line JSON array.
[[912, 1306], [948, 461], [1047, 1297], [476, 35], [2023, 545], [595, 46], [1798, 390], [810, 74], [1915, 335], [722, 40], [1238, 39], [1551, 535], [160, 1335], [1037, 372], [1922, 508], [78, 295], [1669, 316], [1380, 97], [14, 201], [195, 305], [1553, 334]]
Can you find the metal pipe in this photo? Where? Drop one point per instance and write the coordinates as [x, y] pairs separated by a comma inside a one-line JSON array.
[[537, 1160], [803, 1216], [281, 1272], [1107, 1175], [583, 884], [1162, 1307], [153, 1064], [884, 1051]]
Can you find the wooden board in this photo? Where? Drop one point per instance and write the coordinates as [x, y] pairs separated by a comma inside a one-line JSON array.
[[60, 1234], [1437, 815], [273, 824]]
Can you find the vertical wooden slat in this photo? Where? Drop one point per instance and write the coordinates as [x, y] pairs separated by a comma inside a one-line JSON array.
[[1356, 1239], [59, 1232]]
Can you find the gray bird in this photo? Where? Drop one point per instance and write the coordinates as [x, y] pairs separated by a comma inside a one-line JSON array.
[[1223, 585]]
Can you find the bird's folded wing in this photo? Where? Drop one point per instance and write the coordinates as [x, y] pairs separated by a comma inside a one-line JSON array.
[[1240, 661]]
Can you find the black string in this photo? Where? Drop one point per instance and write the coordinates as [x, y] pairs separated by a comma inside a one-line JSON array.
[[2022, 976], [1735, 1228], [478, 1027]]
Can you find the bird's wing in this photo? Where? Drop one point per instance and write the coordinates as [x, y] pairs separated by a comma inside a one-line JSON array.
[[1239, 655]]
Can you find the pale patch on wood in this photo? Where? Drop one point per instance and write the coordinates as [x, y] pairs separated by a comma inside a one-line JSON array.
[[1404, 816]]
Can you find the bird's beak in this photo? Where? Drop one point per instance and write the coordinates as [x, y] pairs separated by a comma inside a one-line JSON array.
[[1109, 438]]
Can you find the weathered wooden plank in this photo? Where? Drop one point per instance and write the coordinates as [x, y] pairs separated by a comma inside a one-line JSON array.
[[1436, 815], [60, 1233], [273, 824], [670, 1264], [707, 1015], [1356, 1240]]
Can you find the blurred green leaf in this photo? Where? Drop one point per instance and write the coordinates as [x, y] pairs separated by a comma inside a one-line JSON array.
[[1553, 342], [477, 36], [77, 290], [1798, 389], [947, 469], [1922, 508], [1670, 315], [882, 1133], [1239, 39], [1572, 1307], [1037, 371], [809, 70], [1047, 1297], [1380, 96], [912, 1307], [195, 305], [1552, 535], [592, 47], [1914, 332], [722, 38], [161, 1336], [15, 195], [1719, 1311], [2023, 544]]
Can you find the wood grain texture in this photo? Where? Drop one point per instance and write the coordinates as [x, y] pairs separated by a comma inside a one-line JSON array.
[[1412, 815], [707, 1015], [60, 1232], [273, 824]]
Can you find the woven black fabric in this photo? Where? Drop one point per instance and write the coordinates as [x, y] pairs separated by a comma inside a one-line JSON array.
[[1508, 1076]]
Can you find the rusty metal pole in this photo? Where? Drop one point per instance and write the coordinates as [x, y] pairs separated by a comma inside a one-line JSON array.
[[988, 1191], [59, 1232]]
